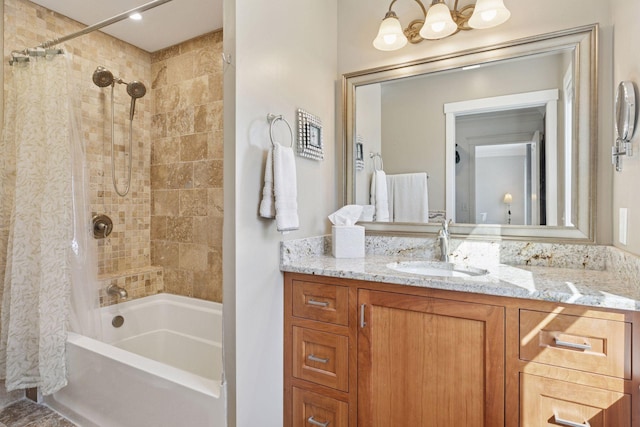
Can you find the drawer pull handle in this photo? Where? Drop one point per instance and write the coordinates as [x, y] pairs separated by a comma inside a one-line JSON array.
[[567, 344], [315, 358], [567, 423], [318, 303], [310, 420]]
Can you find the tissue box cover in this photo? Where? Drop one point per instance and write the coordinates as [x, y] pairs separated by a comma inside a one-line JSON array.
[[347, 241]]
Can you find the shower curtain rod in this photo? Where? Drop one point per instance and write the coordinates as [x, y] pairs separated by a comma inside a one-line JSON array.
[[94, 27]]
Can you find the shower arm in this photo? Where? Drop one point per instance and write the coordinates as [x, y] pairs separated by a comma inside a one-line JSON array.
[[101, 24]]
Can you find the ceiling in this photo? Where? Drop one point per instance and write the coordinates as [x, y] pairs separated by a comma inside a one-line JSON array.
[[163, 26]]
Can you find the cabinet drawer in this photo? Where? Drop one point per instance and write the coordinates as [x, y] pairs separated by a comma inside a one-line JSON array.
[[321, 357], [547, 402], [582, 343], [314, 410], [326, 303]]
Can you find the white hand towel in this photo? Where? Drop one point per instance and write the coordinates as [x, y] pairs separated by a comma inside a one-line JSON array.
[[285, 188], [410, 198], [378, 196], [267, 205]]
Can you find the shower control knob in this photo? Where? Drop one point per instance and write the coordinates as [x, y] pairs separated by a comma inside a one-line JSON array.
[[102, 226]]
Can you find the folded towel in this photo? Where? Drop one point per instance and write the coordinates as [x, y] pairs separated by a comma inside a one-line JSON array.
[[285, 188], [408, 197], [267, 205], [378, 196]]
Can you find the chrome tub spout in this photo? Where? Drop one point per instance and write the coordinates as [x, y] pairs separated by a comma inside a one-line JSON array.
[[117, 291]]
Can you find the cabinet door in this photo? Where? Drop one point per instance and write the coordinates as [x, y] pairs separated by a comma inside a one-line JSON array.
[[429, 362], [547, 402]]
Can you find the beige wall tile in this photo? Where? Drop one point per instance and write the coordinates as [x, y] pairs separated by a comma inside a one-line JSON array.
[[193, 147], [187, 158]]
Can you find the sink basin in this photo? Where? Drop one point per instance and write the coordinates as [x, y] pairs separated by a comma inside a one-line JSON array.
[[436, 268]]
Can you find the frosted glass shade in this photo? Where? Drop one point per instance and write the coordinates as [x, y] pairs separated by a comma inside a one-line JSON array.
[[508, 199], [438, 23], [488, 13], [390, 35]]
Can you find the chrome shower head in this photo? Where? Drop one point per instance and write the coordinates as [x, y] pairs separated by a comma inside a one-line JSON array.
[[135, 89], [102, 77]]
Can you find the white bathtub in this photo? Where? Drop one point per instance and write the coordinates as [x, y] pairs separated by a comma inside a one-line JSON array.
[[163, 367]]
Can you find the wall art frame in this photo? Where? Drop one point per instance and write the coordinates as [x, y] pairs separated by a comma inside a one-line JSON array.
[[310, 136]]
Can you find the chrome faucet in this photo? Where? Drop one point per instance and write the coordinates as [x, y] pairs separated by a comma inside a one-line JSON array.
[[117, 291], [443, 237]]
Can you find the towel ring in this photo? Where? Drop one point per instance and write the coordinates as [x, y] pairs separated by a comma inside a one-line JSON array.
[[272, 120], [374, 156]]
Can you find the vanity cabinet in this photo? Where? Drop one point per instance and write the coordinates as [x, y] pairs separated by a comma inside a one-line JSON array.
[[426, 361], [359, 355], [368, 354], [574, 368]]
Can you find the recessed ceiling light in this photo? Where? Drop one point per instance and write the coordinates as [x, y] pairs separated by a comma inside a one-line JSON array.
[[135, 16]]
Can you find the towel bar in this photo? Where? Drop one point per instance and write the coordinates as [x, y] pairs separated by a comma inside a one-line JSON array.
[[272, 118]]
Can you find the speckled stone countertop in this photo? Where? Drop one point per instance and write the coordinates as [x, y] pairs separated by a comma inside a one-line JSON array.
[[591, 275]]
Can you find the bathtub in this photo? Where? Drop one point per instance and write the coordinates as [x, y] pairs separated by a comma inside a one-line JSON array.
[[162, 367]]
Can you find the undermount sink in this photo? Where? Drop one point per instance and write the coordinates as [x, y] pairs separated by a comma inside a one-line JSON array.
[[436, 268]]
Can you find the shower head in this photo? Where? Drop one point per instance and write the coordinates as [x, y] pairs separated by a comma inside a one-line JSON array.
[[136, 90], [102, 77]]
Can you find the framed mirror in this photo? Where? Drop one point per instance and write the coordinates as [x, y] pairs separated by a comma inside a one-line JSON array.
[[516, 119]]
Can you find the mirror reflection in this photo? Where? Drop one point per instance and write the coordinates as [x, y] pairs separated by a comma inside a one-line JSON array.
[[458, 135]]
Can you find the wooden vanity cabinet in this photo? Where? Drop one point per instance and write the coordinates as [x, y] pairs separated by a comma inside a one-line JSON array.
[[574, 367], [370, 354], [426, 361], [396, 359]]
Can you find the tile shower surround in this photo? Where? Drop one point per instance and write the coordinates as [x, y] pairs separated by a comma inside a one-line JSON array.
[[181, 115], [187, 166]]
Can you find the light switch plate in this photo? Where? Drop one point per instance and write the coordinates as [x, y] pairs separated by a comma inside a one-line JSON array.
[[622, 226]]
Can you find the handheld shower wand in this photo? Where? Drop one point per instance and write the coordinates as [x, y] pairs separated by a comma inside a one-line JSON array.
[[136, 90], [102, 77]]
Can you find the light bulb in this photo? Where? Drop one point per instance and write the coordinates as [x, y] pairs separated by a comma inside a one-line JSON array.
[[437, 26], [489, 15], [390, 38]]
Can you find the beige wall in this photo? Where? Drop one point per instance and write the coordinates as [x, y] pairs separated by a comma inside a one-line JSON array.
[[186, 166], [359, 20], [368, 119], [626, 67], [283, 58]]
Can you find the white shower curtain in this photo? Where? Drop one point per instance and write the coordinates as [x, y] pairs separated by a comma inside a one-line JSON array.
[[42, 247]]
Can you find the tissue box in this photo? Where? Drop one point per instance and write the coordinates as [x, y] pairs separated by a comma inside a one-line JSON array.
[[347, 241]]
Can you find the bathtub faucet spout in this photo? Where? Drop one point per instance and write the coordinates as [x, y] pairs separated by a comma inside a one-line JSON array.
[[117, 291]]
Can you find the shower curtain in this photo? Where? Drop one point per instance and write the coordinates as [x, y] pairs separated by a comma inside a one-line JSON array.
[[44, 227]]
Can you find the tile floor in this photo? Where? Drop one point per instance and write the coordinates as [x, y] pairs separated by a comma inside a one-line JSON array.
[[27, 413]]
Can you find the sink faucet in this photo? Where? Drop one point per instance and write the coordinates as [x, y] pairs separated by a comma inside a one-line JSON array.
[[443, 237], [117, 291]]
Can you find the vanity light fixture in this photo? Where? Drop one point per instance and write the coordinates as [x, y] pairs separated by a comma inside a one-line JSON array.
[[439, 22]]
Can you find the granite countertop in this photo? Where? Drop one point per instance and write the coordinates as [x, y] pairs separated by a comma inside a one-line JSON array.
[[590, 275]]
